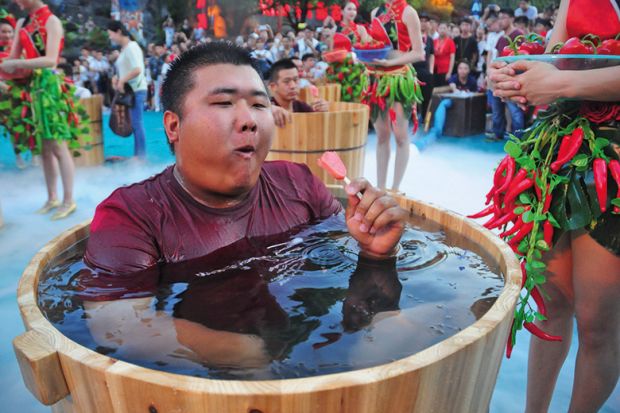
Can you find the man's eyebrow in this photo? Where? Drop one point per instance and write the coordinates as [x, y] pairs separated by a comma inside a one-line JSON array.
[[234, 91]]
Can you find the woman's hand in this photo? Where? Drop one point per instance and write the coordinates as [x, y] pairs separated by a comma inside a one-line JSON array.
[[536, 83], [376, 221], [381, 62]]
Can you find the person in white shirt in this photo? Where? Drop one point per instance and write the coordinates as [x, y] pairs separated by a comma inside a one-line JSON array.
[[130, 67], [307, 44], [527, 10]]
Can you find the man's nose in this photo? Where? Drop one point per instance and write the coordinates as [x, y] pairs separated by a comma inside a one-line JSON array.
[[246, 122]]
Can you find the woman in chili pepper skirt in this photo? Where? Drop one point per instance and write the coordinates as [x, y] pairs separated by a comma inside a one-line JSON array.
[[348, 73], [583, 268], [47, 108], [393, 89]]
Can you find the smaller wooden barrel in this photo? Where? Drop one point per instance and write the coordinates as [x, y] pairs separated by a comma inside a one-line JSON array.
[[344, 129], [91, 152], [329, 92]]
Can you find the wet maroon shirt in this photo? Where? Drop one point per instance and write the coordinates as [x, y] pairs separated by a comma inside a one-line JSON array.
[[156, 221]]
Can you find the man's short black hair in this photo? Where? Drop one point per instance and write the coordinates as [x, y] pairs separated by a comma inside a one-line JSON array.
[[180, 79], [466, 20], [116, 26], [280, 65], [507, 10], [522, 20], [308, 56], [544, 22]]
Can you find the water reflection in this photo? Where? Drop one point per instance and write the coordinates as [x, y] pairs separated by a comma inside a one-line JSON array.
[[292, 305]]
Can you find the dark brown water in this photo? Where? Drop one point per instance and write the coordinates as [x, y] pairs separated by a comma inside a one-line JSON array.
[[300, 304]]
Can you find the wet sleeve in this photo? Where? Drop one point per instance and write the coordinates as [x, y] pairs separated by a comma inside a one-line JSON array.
[[326, 204], [120, 241]]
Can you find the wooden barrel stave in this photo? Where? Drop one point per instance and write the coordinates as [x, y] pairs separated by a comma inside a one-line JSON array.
[[91, 153]]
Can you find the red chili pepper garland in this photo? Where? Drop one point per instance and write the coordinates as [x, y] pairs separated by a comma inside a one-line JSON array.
[[544, 158]]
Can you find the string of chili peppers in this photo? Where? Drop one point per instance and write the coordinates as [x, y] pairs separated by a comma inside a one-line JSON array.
[[534, 170]]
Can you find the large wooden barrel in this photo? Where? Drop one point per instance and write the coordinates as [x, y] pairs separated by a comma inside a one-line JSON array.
[[91, 153], [329, 92], [343, 129], [455, 375]]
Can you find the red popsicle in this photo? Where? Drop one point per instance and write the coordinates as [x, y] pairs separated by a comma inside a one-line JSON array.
[[331, 162]]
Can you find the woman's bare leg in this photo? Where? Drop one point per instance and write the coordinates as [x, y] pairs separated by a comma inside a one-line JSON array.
[[545, 357], [382, 128], [50, 169], [597, 307], [401, 133]]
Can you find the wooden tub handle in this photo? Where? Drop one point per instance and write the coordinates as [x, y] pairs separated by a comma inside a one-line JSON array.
[[40, 367]]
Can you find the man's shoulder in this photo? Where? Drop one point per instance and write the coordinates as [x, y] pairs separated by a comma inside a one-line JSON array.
[[139, 191]]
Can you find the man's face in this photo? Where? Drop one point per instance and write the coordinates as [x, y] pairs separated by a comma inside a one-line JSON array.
[[309, 63], [225, 130], [425, 25], [6, 33], [523, 5], [308, 34], [159, 50], [504, 21], [465, 28], [286, 88]]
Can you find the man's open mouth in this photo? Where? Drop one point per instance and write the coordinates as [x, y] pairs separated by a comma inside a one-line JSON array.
[[247, 149]]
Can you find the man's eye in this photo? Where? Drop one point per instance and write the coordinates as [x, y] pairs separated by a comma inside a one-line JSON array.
[[260, 105], [223, 103]]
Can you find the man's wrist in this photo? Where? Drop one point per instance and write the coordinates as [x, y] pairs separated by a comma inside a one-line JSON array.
[[388, 255]]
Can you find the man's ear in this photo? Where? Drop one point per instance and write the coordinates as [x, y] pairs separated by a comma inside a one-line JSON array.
[[172, 124]]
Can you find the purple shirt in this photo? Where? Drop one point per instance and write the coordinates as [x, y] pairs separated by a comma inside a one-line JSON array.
[[156, 221]]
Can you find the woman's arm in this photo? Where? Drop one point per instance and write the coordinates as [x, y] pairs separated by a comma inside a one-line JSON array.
[[559, 33], [451, 66]]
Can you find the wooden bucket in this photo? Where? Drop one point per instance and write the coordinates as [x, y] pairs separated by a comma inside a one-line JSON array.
[[329, 92], [91, 152], [455, 375], [343, 129]]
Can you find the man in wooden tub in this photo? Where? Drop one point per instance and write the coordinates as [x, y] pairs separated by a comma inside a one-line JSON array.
[[220, 196]]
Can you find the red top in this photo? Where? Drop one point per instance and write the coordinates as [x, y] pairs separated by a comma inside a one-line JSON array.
[[34, 28], [443, 49], [599, 17], [392, 13], [156, 221]]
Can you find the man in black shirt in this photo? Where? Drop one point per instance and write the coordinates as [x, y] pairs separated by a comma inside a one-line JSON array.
[[466, 46]]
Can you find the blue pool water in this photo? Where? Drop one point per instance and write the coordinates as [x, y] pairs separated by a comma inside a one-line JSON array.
[[453, 173]]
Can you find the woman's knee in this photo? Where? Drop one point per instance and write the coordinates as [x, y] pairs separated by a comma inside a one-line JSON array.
[[597, 328]]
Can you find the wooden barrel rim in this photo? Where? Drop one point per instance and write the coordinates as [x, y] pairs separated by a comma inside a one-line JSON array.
[[34, 320], [352, 148]]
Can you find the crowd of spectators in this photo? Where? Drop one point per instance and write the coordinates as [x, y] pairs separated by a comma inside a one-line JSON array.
[[457, 54]]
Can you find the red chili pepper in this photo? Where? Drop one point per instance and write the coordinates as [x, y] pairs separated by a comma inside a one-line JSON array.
[[614, 168], [509, 341], [533, 328], [498, 175], [548, 233], [516, 227], [510, 171], [538, 299], [523, 232], [503, 220], [487, 211], [547, 201], [600, 181], [24, 111], [516, 190], [570, 149], [523, 275]]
